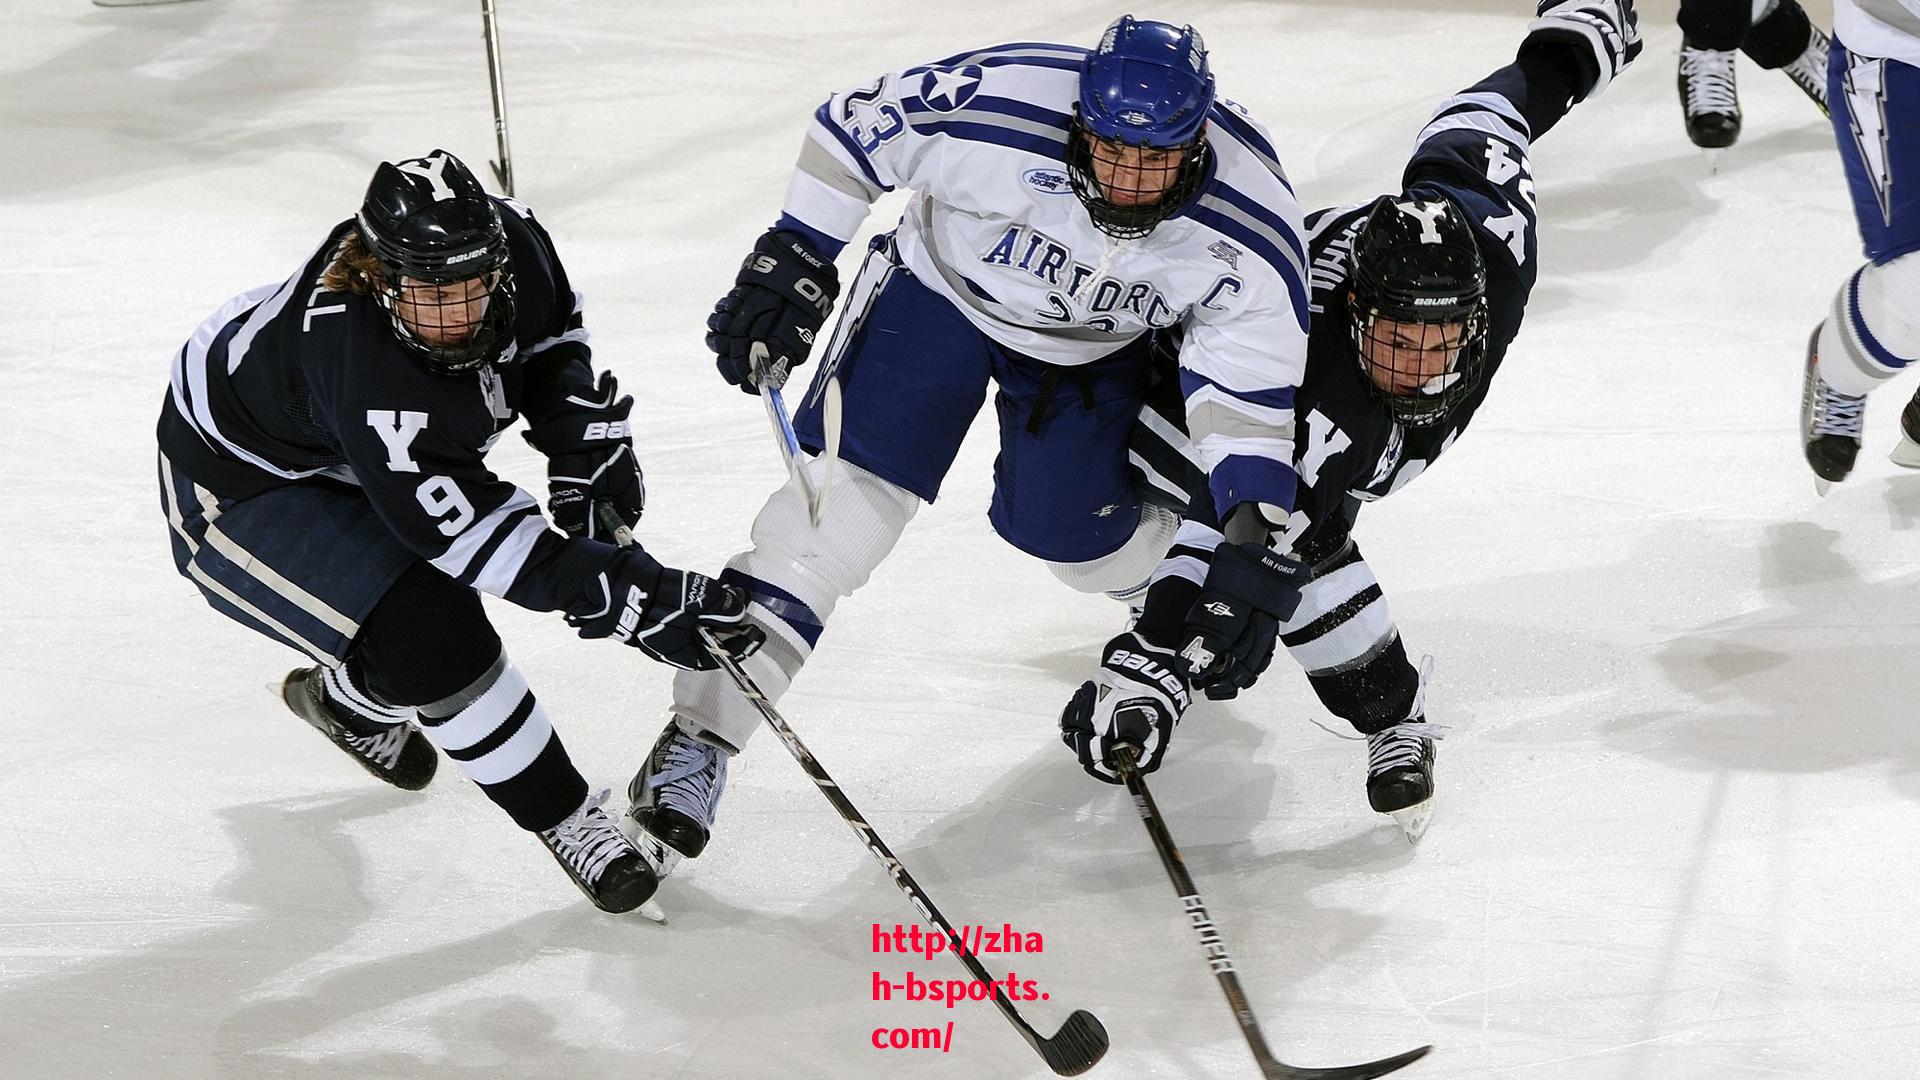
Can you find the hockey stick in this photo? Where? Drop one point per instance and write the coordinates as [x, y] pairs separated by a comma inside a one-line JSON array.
[[503, 168], [1079, 1043], [770, 380], [1216, 948]]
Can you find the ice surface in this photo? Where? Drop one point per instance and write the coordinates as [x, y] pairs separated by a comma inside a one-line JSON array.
[[1677, 805]]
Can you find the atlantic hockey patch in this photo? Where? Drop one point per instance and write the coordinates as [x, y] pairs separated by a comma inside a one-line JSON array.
[[1048, 181]]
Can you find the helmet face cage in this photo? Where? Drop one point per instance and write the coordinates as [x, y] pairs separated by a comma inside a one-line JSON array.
[[1141, 118], [1418, 312], [446, 281]]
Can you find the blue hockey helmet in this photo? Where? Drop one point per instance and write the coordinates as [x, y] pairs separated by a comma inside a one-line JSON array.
[[1144, 95], [432, 228], [1146, 84]]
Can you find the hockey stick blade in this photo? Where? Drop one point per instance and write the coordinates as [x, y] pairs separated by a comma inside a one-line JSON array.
[[1277, 1070], [1078, 1046]]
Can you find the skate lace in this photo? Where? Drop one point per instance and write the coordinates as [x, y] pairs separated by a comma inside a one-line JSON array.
[[1710, 87], [1400, 746], [587, 840], [383, 749], [1835, 413], [690, 780]]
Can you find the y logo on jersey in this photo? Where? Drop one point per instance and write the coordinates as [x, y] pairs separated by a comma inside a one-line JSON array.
[[947, 90], [429, 169], [397, 431]]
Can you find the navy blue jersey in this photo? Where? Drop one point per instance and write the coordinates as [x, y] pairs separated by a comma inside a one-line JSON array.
[[291, 383], [1348, 449]]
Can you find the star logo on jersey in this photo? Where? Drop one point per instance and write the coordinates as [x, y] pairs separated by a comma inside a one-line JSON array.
[[947, 90]]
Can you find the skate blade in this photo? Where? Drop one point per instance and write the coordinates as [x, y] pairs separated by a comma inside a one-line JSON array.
[[651, 910], [1413, 820], [1907, 454], [1821, 486], [1713, 160], [662, 858]]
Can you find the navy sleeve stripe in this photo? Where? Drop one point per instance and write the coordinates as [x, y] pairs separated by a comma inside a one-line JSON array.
[[1259, 212], [1240, 478], [1244, 133], [825, 119], [1272, 397], [1051, 149], [1011, 107], [1260, 245]]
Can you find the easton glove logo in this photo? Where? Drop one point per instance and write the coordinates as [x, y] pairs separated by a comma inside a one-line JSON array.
[[1220, 608]]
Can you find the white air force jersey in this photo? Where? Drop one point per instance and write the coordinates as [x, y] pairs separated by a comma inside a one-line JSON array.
[[981, 140], [1884, 28]]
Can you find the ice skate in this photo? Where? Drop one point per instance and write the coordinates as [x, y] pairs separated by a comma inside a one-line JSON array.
[[603, 863], [1809, 70], [399, 754], [675, 798], [1400, 774], [1709, 100], [1830, 423]]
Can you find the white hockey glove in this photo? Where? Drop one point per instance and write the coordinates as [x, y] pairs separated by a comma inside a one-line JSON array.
[[1605, 33], [1136, 699]]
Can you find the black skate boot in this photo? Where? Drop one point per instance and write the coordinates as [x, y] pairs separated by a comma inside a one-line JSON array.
[[1400, 774], [396, 753], [606, 866], [1708, 98], [675, 798], [1809, 70], [1829, 423]]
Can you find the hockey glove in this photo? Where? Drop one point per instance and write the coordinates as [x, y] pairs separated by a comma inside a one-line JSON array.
[[589, 447], [1605, 34], [661, 611], [1135, 700], [1233, 627], [781, 297]]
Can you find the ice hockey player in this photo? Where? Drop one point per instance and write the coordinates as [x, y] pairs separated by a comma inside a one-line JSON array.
[[322, 467], [1776, 34], [1416, 297], [1872, 331], [1066, 202]]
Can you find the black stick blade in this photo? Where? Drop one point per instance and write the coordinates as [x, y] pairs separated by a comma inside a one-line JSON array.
[[1274, 1070], [1078, 1046]]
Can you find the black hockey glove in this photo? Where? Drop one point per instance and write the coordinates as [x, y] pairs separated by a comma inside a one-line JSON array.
[[1233, 627], [1605, 34], [1135, 700], [661, 611], [781, 297], [590, 462]]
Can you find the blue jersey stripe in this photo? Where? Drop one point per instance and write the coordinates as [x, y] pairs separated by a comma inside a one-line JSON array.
[[1052, 149], [1261, 246], [1014, 107], [1240, 478], [1258, 211], [824, 118], [1273, 397], [1238, 127]]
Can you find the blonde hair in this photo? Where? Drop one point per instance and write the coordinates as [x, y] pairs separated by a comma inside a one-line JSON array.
[[354, 269]]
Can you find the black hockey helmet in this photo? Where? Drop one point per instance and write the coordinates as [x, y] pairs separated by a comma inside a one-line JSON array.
[[1415, 261], [428, 222]]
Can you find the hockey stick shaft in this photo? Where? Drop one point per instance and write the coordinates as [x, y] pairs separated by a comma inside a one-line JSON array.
[[496, 75], [770, 381], [1215, 947], [1081, 1041]]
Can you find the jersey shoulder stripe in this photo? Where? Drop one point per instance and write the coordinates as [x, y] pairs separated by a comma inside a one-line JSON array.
[[1247, 134], [1015, 52], [823, 117]]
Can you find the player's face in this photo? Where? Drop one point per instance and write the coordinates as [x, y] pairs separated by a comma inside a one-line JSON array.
[[1133, 175], [1404, 357], [443, 314]]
